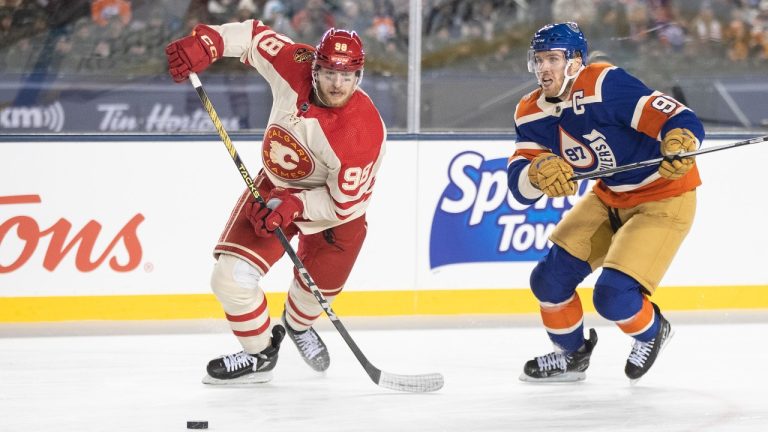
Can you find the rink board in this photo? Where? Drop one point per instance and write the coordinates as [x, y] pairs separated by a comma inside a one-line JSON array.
[[124, 230]]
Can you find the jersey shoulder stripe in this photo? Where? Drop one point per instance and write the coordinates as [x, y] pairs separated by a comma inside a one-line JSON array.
[[528, 108], [590, 80]]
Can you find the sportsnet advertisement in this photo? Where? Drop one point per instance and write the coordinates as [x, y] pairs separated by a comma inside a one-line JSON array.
[[477, 220], [474, 235]]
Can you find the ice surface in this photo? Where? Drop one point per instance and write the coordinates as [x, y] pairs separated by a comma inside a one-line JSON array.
[[96, 377]]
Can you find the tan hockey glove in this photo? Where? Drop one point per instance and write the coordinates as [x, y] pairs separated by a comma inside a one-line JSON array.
[[551, 174], [676, 141]]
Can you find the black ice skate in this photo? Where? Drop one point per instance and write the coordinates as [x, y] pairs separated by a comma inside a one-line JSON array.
[[644, 354], [311, 347], [244, 368], [561, 367]]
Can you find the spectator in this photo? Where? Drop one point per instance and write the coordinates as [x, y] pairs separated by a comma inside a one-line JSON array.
[[738, 39], [355, 15], [275, 15], [246, 10], [382, 26], [580, 11], [311, 22], [224, 11], [707, 32], [6, 27], [103, 11]]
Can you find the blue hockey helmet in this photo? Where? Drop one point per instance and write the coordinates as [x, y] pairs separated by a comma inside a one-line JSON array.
[[565, 37]]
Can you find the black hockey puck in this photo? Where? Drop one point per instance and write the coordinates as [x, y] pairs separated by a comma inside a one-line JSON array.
[[197, 425]]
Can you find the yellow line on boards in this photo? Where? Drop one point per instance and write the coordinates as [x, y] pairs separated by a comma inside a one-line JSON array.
[[355, 303]]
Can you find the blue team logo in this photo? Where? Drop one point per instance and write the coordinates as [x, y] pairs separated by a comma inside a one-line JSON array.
[[478, 220]]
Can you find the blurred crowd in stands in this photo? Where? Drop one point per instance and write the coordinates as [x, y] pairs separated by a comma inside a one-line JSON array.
[[111, 37]]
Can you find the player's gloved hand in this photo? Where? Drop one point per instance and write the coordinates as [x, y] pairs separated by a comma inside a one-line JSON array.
[[676, 141], [281, 209], [193, 53], [552, 175]]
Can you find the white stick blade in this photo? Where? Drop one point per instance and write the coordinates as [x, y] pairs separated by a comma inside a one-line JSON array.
[[412, 383]]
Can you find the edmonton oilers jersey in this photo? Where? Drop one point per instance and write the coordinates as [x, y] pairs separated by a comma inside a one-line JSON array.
[[610, 119]]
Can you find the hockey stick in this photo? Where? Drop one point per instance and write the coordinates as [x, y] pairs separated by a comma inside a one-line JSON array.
[[410, 383], [657, 161]]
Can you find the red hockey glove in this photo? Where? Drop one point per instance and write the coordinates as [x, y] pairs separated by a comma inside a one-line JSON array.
[[283, 208], [193, 53]]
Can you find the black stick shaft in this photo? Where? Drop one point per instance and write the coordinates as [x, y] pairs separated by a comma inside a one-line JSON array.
[[657, 161]]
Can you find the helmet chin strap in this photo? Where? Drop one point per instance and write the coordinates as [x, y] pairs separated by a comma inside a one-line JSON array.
[[568, 79]]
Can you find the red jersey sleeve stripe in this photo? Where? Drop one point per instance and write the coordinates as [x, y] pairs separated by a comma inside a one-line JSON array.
[[258, 27], [349, 204]]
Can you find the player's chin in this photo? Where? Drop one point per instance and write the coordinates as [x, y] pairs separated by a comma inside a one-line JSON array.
[[338, 100], [549, 89]]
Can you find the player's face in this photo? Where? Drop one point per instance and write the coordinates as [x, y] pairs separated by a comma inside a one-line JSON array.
[[335, 87], [550, 70]]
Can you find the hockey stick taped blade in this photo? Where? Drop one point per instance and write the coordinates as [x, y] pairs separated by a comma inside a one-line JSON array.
[[412, 383]]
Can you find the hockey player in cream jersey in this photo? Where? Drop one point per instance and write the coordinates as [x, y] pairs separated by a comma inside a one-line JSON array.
[[322, 148]]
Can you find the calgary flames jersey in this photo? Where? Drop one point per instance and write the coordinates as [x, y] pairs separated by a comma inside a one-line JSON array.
[[610, 119], [328, 156]]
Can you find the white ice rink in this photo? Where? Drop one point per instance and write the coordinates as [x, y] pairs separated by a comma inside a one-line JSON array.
[[98, 377]]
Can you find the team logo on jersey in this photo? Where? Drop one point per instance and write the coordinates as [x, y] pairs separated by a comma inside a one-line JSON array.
[[284, 156], [595, 155], [303, 55]]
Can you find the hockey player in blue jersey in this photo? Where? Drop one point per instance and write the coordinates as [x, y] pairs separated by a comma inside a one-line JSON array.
[[586, 118]]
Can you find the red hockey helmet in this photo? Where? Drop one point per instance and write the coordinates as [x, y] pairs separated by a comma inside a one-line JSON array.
[[340, 50]]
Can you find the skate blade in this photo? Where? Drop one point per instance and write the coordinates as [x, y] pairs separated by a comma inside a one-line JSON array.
[[319, 367], [254, 378], [567, 377], [632, 382]]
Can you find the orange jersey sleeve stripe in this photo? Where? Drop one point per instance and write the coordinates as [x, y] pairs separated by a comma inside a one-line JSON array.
[[648, 119], [528, 154], [641, 321], [562, 317]]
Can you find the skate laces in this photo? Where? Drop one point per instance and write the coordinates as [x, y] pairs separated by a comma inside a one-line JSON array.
[[233, 362], [640, 352], [553, 360], [309, 343]]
